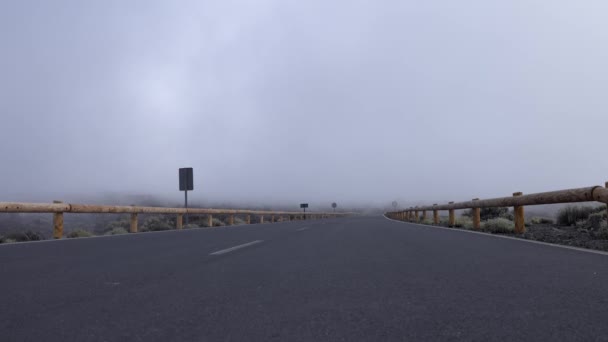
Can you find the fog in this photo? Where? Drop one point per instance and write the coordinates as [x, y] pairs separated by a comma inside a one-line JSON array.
[[275, 102]]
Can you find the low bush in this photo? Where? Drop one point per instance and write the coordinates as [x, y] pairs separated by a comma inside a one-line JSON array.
[[490, 213], [25, 236], [602, 232], [4, 239], [116, 231], [444, 221], [122, 223], [79, 234], [463, 222], [157, 223], [595, 221], [541, 220], [218, 223], [427, 222], [499, 225], [568, 216], [239, 221]]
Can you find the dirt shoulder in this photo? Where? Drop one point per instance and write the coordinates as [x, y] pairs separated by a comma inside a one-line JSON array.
[[569, 236]]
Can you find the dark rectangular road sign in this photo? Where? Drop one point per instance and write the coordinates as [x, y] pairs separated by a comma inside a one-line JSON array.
[[304, 205], [186, 181]]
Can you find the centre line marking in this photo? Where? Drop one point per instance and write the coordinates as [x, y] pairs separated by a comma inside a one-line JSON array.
[[227, 250], [301, 229]]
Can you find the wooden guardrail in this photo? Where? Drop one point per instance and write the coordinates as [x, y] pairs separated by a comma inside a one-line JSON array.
[[517, 201], [58, 208]]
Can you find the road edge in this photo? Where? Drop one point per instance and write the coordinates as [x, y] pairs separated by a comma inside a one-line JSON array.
[[579, 249], [64, 239]]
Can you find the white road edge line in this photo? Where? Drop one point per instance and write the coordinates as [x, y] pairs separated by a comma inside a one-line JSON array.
[[301, 229], [228, 250], [579, 249]]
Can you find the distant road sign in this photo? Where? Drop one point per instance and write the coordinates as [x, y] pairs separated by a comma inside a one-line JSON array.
[[304, 205], [186, 181]]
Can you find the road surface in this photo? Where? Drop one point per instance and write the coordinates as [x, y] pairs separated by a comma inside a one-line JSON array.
[[350, 279]]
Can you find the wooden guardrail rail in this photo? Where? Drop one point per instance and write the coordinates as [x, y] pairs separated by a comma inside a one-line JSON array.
[[517, 201], [58, 208]]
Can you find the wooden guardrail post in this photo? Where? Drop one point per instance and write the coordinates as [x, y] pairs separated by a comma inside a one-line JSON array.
[[416, 216], [180, 221], [210, 221], [435, 215], [476, 216], [424, 215], [261, 218], [518, 212], [231, 220], [133, 225], [58, 224], [606, 186], [272, 219], [248, 219], [452, 221]]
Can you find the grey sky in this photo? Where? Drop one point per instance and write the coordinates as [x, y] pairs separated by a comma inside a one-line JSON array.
[[279, 101]]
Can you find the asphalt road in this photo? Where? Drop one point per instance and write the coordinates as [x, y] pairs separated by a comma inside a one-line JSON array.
[[351, 279]]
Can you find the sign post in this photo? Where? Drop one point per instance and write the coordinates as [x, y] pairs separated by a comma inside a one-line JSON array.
[[304, 206], [334, 205], [186, 183]]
